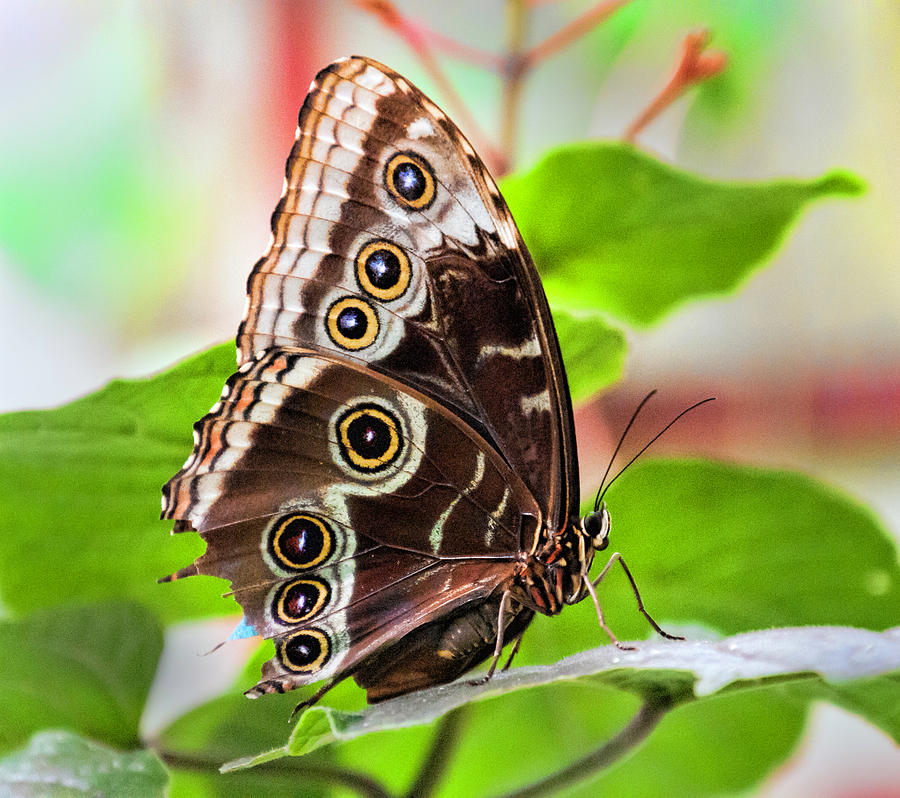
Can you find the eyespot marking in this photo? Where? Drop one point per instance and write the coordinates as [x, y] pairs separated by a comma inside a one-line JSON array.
[[300, 600], [305, 651], [410, 180], [369, 438], [300, 541], [383, 270], [352, 323]]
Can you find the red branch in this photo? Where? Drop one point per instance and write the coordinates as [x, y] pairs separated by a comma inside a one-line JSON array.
[[577, 28], [419, 39], [694, 66]]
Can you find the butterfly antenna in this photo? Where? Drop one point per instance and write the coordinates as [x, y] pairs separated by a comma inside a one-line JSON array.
[[628, 426], [652, 441]]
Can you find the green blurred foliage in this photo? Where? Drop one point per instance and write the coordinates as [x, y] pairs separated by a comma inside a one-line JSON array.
[[59, 764], [87, 669], [92, 210], [230, 727]]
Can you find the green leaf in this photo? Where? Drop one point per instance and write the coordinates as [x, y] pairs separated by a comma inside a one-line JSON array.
[[593, 351], [736, 548], [84, 668], [82, 482], [678, 670], [59, 764], [613, 230]]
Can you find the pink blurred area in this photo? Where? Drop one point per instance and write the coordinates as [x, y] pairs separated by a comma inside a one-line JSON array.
[[143, 149]]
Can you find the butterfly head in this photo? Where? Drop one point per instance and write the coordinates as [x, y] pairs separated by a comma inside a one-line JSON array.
[[595, 527]]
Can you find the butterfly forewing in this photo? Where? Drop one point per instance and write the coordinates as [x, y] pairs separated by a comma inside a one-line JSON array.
[[392, 247]]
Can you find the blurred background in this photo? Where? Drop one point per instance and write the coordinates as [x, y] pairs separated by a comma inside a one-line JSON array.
[[142, 149]]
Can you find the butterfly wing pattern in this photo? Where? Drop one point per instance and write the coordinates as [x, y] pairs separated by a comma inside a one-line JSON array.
[[399, 433]]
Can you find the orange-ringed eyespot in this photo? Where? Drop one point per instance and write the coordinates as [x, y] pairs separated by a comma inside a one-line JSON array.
[[300, 541], [383, 270], [410, 180], [352, 323], [369, 437], [305, 651], [300, 600]]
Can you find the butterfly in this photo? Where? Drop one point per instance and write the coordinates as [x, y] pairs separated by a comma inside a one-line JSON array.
[[390, 479]]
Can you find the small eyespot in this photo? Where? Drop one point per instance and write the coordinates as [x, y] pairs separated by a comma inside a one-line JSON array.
[[305, 651], [300, 600], [383, 270], [352, 323], [410, 180], [300, 541], [369, 438]]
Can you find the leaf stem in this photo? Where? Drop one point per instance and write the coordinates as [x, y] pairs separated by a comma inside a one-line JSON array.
[[644, 722], [417, 37], [434, 765], [693, 66], [577, 28], [517, 15], [361, 783]]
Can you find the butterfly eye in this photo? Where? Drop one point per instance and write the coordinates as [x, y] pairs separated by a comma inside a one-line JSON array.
[[300, 541], [369, 438], [352, 323], [305, 651], [383, 270], [410, 180], [300, 600], [596, 526]]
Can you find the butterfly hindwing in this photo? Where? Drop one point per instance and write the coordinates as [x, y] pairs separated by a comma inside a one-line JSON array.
[[344, 508]]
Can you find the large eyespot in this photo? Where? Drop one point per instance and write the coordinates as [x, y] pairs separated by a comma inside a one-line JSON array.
[[300, 541], [352, 323], [383, 270], [410, 179], [300, 600], [305, 651], [369, 437]]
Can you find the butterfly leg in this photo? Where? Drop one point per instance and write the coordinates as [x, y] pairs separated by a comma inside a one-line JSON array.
[[498, 648], [306, 704], [591, 585], [515, 650]]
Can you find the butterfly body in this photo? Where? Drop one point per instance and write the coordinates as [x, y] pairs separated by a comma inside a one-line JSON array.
[[389, 481]]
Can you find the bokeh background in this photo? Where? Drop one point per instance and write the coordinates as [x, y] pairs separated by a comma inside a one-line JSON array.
[[142, 148]]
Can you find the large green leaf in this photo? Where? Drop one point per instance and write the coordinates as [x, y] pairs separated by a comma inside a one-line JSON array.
[[80, 504], [737, 548], [612, 229], [59, 764], [83, 668]]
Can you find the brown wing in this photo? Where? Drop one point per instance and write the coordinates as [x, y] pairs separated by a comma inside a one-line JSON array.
[[345, 508], [393, 248]]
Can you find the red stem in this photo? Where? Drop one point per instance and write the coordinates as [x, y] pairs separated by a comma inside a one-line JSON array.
[[693, 66]]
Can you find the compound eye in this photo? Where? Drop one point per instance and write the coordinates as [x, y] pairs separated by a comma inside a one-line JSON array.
[[596, 526]]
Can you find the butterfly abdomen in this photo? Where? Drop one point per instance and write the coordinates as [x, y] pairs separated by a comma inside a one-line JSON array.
[[439, 652]]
